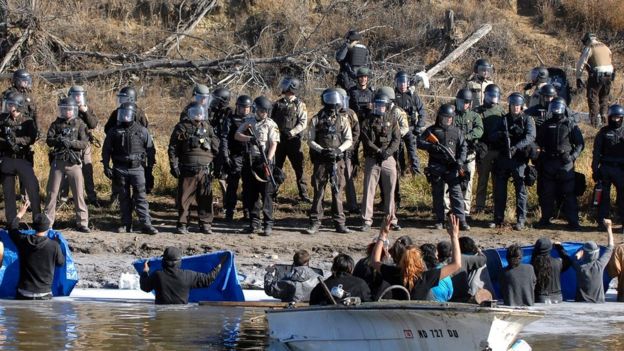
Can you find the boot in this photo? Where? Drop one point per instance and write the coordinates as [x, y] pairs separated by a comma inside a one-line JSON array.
[[342, 229], [181, 229], [313, 228], [149, 229]]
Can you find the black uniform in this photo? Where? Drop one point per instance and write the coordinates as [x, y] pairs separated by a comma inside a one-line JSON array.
[[128, 145], [351, 57], [608, 167], [30, 108], [361, 100], [561, 143], [415, 109], [192, 149], [236, 154], [444, 167], [521, 132], [218, 118]]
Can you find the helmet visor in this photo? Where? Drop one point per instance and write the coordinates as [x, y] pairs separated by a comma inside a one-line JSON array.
[[197, 113], [462, 105], [332, 98], [123, 98], [125, 115], [484, 71], [401, 82], [285, 85], [23, 82], [204, 99], [379, 107], [79, 96], [68, 111], [556, 108], [492, 97]]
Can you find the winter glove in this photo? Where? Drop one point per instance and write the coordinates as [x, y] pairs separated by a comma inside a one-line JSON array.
[[384, 154], [336, 153], [175, 171], [437, 148], [415, 169], [528, 86], [108, 172], [579, 84]]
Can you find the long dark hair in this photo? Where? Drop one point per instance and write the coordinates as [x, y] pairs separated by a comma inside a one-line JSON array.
[[514, 255], [429, 255], [542, 264]]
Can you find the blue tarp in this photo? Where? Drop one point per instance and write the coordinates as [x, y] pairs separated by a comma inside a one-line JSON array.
[[225, 287], [65, 277], [497, 261]]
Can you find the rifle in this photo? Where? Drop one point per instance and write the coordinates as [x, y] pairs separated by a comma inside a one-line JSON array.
[[447, 152], [333, 177], [268, 172], [508, 141]]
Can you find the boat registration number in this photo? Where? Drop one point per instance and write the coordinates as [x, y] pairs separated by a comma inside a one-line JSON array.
[[433, 333]]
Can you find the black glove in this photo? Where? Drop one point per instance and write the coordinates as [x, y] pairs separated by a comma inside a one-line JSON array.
[[108, 172], [336, 153], [437, 148], [175, 171], [327, 153], [567, 158], [252, 139], [384, 154], [528, 86], [415, 169], [580, 84]]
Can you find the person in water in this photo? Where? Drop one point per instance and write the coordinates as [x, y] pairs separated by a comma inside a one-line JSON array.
[[173, 284]]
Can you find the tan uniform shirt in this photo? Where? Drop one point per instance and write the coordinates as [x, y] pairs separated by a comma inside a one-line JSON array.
[[597, 52], [478, 88], [347, 138], [266, 130]]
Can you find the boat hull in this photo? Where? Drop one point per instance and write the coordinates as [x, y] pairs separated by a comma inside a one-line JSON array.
[[397, 326]]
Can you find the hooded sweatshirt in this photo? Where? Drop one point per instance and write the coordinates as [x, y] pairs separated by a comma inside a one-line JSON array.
[[38, 256], [589, 272], [294, 287]]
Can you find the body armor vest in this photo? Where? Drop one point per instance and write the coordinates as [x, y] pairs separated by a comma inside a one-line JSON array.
[[516, 127], [196, 148], [613, 145], [557, 138], [601, 55], [357, 56], [448, 137], [235, 146], [361, 99], [381, 130], [14, 127], [285, 114], [329, 129], [406, 102], [129, 145]]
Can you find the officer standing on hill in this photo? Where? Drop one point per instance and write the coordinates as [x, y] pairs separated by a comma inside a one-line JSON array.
[[236, 157], [561, 143], [67, 138], [514, 133], [596, 59], [192, 149], [291, 116], [415, 109], [329, 137], [608, 162], [539, 111], [350, 155], [259, 192], [17, 133], [351, 56], [22, 83], [361, 94], [127, 144], [481, 77], [447, 157]]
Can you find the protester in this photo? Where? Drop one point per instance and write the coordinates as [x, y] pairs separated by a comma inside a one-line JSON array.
[[173, 284], [473, 275], [547, 271], [297, 284], [38, 256], [444, 290], [589, 266], [364, 270], [518, 280], [615, 269], [341, 283]]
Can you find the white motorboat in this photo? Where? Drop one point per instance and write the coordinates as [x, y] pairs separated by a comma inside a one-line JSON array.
[[397, 325]]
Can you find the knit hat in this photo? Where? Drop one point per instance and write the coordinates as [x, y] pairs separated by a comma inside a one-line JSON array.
[[543, 246], [41, 223], [172, 254]]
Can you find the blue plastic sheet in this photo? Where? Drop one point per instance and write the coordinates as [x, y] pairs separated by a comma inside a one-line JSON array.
[[65, 277], [226, 286], [497, 261]]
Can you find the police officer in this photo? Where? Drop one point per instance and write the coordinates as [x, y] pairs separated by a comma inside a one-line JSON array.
[[538, 78], [561, 143], [447, 156], [471, 125], [291, 116], [481, 77], [127, 144], [596, 59], [491, 113], [67, 138], [236, 155], [201, 95], [329, 137], [259, 193], [351, 160], [22, 83], [351, 56], [17, 133], [415, 109], [86, 114], [361, 95], [514, 133], [129, 94], [380, 138], [218, 116], [608, 161], [539, 111], [192, 148]]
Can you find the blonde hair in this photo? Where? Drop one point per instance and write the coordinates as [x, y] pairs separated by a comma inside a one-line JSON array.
[[412, 266]]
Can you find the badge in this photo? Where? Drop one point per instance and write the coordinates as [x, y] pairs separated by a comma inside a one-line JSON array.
[[202, 140]]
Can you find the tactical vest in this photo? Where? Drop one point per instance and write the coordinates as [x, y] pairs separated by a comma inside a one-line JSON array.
[[406, 102], [235, 146], [517, 134], [448, 137], [10, 126], [600, 55], [218, 117], [357, 56], [381, 130], [556, 138], [285, 114], [613, 145], [196, 145], [360, 99], [329, 129], [129, 147], [68, 130]]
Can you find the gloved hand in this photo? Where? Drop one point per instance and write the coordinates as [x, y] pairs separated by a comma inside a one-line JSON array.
[[108, 172], [512, 151], [66, 143], [336, 153], [596, 175], [437, 148], [252, 139], [580, 84], [327, 153], [567, 158], [528, 86], [384, 154], [415, 169], [175, 171]]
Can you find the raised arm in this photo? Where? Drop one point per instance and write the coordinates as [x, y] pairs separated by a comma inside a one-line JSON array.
[[453, 231]]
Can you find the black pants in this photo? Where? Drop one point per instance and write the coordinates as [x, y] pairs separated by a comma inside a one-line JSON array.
[[258, 198], [291, 148], [598, 89], [558, 183], [503, 170], [233, 178], [125, 180], [455, 194], [611, 175]]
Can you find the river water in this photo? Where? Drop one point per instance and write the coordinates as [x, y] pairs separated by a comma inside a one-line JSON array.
[[72, 324]]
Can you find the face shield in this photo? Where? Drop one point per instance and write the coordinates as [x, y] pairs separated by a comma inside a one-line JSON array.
[[491, 97], [333, 99], [462, 105], [23, 82], [379, 107], [402, 83], [259, 111], [203, 99], [125, 115], [484, 71], [243, 110], [285, 85], [345, 102], [197, 113], [80, 97], [68, 111], [123, 98], [557, 108]]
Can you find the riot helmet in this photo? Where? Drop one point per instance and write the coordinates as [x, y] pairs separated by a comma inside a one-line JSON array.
[[243, 105], [387, 91], [483, 68], [491, 95], [126, 112], [289, 85], [401, 81], [196, 112], [539, 75], [587, 38], [557, 108], [616, 113], [380, 104], [79, 94], [363, 72], [14, 99], [463, 98], [221, 97], [126, 94], [345, 98], [262, 105], [547, 93], [22, 80], [332, 99], [201, 94], [68, 108], [516, 102], [353, 35], [446, 114]]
